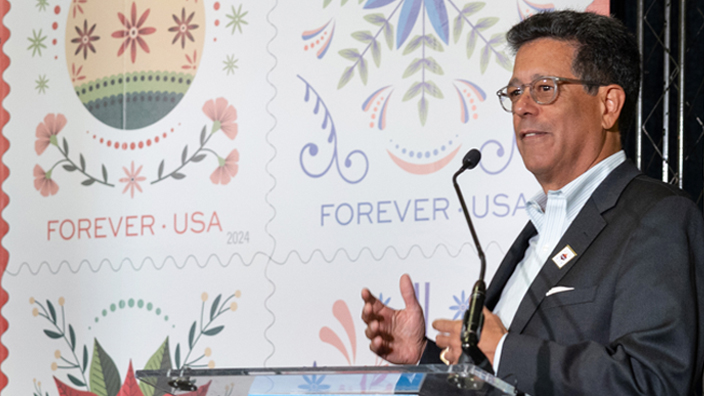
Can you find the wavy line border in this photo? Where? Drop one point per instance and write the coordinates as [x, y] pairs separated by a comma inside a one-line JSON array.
[[4, 172], [266, 197]]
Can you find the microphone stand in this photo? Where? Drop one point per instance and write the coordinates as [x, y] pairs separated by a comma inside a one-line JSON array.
[[473, 317]]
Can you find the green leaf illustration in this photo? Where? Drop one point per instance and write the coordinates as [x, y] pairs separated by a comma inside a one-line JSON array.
[[484, 60], [52, 334], [471, 43], [104, 377], [457, 28], [433, 43], [423, 110], [389, 35], [497, 38], [198, 158], [504, 61], [69, 168], [191, 335], [160, 360], [350, 54], [344, 1], [346, 77], [326, 3], [184, 155], [88, 182], [471, 8], [413, 91], [433, 66], [413, 68], [72, 337], [161, 169], [177, 356], [178, 176], [52, 311], [413, 45], [363, 71], [213, 331], [65, 147], [202, 136], [377, 19], [376, 53], [75, 380], [364, 36], [486, 23], [83, 162], [85, 359], [433, 90], [214, 307], [105, 174]]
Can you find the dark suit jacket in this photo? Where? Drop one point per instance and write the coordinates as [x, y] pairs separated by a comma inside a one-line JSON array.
[[634, 323]]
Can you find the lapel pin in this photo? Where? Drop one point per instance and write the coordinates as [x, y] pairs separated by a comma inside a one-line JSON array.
[[564, 256]]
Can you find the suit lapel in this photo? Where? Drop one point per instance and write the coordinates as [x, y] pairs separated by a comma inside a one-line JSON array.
[[508, 264], [579, 236]]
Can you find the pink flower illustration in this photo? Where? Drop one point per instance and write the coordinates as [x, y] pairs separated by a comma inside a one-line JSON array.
[[47, 131], [77, 6], [76, 74], [43, 182], [133, 178], [183, 28], [222, 115], [227, 169], [133, 32]]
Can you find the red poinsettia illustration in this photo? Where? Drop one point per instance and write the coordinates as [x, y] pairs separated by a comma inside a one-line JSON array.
[[43, 182], [227, 168], [46, 131], [84, 39], [133, 32], [183, 28], [222, 115]]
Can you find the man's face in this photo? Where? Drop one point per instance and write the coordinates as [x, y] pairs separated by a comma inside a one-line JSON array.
[[561, 140]]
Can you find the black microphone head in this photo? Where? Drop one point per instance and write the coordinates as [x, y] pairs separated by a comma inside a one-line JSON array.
[[471, 159]]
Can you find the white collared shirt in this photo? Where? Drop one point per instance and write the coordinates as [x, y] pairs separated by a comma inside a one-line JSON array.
[[551, 215]]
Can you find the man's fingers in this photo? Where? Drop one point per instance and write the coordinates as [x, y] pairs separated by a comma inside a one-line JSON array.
[[447, 326], [408, 292]]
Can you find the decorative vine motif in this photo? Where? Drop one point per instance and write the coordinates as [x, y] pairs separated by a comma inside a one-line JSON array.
[[500, 153], [409, 11], [312, 149], [47, 135], [223, 116]]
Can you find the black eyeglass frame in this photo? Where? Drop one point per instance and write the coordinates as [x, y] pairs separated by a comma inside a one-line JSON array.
[[503, 92]]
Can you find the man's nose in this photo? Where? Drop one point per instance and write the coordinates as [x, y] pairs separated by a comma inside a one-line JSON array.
[[524, 105]]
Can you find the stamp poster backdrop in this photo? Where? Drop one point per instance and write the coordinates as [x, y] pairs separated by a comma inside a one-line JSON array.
[[211, 183]]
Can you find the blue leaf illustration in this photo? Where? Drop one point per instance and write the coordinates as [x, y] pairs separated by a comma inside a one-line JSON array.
[[437, 13], [377, 3], [406, 21]]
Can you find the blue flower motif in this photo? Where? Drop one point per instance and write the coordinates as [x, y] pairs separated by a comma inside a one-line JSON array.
[[381, 298], [462, 305], [314, 383]]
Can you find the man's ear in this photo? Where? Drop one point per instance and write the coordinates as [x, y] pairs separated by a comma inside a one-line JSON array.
[[613, 100]]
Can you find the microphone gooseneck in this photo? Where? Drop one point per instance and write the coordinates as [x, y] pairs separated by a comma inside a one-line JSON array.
[[473, 317]]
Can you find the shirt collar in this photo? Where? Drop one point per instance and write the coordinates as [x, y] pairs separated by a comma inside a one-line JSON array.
[[578, 191]]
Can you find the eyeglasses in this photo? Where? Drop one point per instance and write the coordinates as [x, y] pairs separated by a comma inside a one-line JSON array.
[[543, 90]]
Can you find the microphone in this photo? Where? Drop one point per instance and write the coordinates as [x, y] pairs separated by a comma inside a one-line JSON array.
[[473, 317]]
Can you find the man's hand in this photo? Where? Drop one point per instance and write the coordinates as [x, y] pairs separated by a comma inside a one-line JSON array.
[[396, 335], [449, 339], [450, 333], [492, 331]]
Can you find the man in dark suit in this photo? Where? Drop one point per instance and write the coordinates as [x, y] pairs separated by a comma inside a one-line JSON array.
[[603, 290]]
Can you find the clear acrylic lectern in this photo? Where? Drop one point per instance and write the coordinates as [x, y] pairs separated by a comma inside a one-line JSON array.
[[431, 380]]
